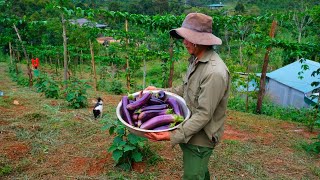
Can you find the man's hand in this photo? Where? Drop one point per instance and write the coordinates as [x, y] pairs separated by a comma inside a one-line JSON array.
[[149, 88], [158, 136]]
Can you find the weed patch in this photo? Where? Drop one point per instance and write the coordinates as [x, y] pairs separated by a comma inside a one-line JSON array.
[[35, 117], [6, 101], [5, 170]]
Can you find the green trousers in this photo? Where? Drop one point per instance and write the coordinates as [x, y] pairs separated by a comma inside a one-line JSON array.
[[36, 73], [195, 162]]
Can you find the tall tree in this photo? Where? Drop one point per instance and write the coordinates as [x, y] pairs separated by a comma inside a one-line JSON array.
[[26, 56], [264, 70], [65, 51]]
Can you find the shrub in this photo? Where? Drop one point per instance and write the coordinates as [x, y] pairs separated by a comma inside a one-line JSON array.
[[22, 81], [315, 146], [48, 86], [76, 93], [116, 87], [126, 148], [270, 109], [5, 170], [103, 85]]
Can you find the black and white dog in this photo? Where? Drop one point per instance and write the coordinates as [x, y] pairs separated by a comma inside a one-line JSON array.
[[98, 108]]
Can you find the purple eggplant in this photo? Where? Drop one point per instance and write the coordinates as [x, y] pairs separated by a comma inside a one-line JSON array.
[[167, 126], [159, 95], [155, 101], [161, 120], [139, 102], [135, 117], [145, 115], [174, 105], [153, 107], [125, 112], [139, 123]]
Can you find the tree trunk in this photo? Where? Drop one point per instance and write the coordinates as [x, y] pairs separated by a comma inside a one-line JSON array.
[[240, 53], [247, 91], [172, 64], [57, 65], [264, 70], [15, 62], [81, 63], [65, 52], [10, 50], [127, 67], [50, 61], [226, 38], [144, 73], [26, 56], [93, 67], [18, 55], [76, 62]]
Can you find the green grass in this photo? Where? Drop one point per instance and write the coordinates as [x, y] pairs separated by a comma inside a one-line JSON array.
[[58, 136]]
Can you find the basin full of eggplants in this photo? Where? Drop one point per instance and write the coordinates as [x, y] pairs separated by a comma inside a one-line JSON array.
[[152, 111]]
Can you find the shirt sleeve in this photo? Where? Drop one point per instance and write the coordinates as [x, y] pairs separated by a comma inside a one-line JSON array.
[[177, 90], [211, 91]]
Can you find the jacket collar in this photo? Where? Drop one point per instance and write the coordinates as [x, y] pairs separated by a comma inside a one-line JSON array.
[[208, 56]]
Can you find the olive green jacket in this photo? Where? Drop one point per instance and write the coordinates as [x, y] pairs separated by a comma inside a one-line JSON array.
[[205, 89]]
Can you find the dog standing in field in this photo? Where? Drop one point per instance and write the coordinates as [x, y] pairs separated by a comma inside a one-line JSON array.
[[98, 108]]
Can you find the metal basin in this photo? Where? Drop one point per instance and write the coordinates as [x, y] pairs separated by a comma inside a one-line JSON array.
[[141, 132]]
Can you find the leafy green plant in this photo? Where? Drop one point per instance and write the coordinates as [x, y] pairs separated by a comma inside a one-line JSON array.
[[22, 81], [286, 113], [76, 93], [116, 87], [126, 147], [5, 170], [103, 84], [12, 69], [6, 101], [48, 86], [315, 146]]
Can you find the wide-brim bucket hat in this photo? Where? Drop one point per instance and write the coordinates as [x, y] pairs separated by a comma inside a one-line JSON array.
[[197, 29]]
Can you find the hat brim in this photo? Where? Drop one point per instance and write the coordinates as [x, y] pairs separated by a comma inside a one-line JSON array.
[[201, 38]]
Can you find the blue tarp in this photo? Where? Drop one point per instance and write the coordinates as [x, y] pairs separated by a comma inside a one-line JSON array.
[[253, 86], [289, 76]]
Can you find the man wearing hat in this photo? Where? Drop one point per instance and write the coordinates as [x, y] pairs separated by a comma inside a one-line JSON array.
[[205, 89]]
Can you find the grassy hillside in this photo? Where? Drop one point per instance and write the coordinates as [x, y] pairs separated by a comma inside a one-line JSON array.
[[43, 138]]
